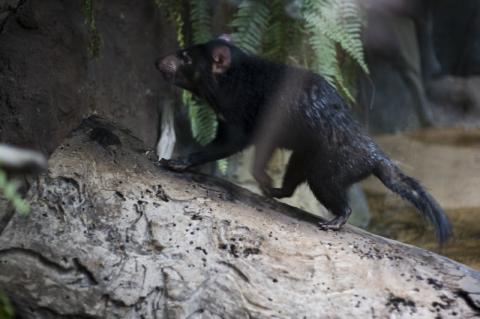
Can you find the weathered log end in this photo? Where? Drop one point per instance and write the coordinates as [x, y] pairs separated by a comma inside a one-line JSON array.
[[111, 235]]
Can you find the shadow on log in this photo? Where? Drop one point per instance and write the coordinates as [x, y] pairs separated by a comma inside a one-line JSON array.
[[111, 235]]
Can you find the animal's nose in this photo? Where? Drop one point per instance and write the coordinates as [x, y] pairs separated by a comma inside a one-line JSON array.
[[168, 64]]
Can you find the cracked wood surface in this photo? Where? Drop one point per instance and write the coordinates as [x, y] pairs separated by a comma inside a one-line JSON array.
[[111, 235]]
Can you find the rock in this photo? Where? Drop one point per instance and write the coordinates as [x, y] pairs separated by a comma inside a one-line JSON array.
[[403, 59], [8, 5], [392, 95], [457, 39], [48, 82], [457, 98], [111, 235]]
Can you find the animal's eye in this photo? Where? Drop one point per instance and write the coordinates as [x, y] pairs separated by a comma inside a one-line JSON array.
[[186, 58]]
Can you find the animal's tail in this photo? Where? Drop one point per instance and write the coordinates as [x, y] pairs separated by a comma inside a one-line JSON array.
[[411, 190]]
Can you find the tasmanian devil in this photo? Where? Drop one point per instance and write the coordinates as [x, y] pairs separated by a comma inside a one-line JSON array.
[[273, 105]]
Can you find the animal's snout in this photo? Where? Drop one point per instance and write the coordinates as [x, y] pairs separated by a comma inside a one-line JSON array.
[[168, 66]]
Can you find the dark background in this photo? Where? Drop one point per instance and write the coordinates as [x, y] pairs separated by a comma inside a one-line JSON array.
[[48, 82]]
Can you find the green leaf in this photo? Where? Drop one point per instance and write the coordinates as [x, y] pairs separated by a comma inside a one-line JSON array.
[[222, 166], [203, 120], [174, 11], [249, 24], [6, 309], [333, 24], [9, 190], [201, 20]]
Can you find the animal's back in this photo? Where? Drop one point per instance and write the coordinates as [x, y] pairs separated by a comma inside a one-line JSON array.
[[317, 120]]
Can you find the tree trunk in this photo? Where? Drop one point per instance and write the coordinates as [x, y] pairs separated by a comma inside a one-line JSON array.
[[111, 235]]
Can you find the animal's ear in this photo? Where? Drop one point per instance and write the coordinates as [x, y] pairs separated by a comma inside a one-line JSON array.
[[222, 59], [225, 37]]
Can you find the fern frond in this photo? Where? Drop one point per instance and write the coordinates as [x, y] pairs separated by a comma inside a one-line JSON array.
[[249, 25], [9, 191], [282, 33], [325, 58], [275, 41], [174, 14], [222, 166], [334, 24], [204, 124], [343, 83], [342, 23], [201, 20], [203, 120], [275, 46]]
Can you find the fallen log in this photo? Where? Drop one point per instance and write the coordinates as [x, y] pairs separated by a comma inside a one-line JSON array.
[[111, 235]]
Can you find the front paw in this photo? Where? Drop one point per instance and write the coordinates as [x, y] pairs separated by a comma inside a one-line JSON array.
[[269, 191], [177, 165], [264, 181], [273, 192]]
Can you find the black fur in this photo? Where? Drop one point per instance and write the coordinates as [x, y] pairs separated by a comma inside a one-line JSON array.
[[274, 106]]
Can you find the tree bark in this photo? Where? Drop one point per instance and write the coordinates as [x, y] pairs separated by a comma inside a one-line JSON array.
[[111, 235]]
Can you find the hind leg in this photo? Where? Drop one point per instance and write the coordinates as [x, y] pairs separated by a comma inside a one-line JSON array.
[[294, 176], [335, 199], [339, 220]]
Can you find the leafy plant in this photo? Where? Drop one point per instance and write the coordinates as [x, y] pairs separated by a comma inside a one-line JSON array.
[[174, 14], [6, 309], [331, 24], [9, 190], [203, 119], [320, 34], [283, 33], [201, 20], [249, 24]]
